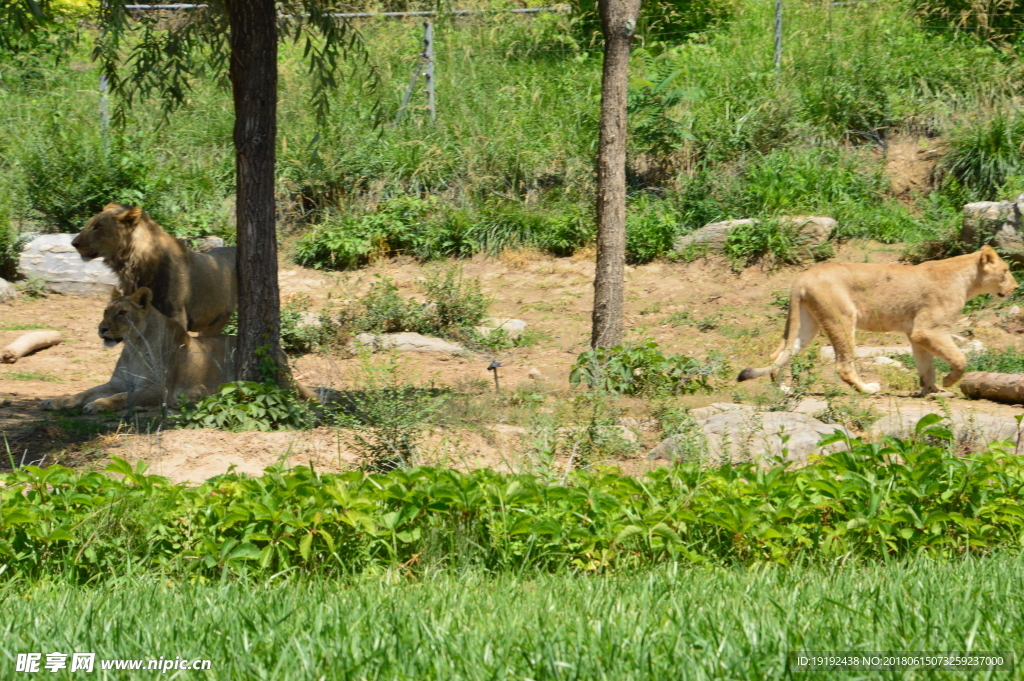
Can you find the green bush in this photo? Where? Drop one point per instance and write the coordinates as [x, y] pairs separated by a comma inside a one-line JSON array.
[[453, 306], [884, 502], [70, 177], [639, 369], [245, 405]]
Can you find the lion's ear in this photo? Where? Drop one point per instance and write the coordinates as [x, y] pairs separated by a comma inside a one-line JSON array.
[[112, 206], [143, 297], [988, 255], [130, 215], [115, 293]]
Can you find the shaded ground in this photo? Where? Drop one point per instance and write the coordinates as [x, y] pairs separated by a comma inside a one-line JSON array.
[[691, 308]]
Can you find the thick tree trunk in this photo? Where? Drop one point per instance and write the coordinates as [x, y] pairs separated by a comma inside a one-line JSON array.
[[618, 22], [253, 74]]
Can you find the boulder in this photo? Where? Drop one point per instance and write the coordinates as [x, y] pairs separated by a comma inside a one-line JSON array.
[[208, 243], [309, 319], [828, 353], [996, 223], [973, 430], [813, 230], [7, 291], [407, 341], [743, 434], [513, 327], [52, 259]]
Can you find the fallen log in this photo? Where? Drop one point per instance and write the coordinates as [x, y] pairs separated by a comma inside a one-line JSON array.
[[992, 386], [28, 343]]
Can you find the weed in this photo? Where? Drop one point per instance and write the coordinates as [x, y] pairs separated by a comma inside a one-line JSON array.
[[387, 414], [23, 327], [30, 376]]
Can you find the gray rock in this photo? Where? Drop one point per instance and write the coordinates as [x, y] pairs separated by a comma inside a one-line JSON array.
[[407, 341], [536, 374], [309, 319], [7, 291], [813, 230], [810, 406], [973, 430], [513, 327], [996, 223], [741, 435], [828, 353], [704, 413], [52, 258], [208, 243]]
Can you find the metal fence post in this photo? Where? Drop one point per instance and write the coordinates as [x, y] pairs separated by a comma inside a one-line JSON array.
[[428, 53], [778, 35]]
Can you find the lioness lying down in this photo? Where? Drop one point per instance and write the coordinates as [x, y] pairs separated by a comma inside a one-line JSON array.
[[923, 301], [197, 290], [160, 360]]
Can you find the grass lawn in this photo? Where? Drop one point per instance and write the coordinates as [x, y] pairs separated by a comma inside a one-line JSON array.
[[672, 623]]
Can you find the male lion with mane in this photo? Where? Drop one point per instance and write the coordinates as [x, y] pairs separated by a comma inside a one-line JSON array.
[[197, 290], [923, 301]]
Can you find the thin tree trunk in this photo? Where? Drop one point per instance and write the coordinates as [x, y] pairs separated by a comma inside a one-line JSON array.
[[618, 22], [253, 74]]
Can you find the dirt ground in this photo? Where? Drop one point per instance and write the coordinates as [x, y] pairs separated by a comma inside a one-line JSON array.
[[742, 315]]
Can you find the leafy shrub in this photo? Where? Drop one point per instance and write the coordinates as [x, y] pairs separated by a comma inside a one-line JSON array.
[[70, 176], [9, 245], [779, 241], [246, 405], [651, 227], [639, 369], [873, 502], [453, 306]]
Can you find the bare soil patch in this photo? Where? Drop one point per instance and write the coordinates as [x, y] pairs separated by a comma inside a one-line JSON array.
[[743, 313]]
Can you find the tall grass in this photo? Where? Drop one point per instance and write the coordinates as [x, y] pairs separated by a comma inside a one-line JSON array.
[[715, 133], [669, 623]]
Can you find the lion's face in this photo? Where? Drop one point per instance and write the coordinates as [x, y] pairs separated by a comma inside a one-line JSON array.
[[106, 233], [995, 274], [124, 314]]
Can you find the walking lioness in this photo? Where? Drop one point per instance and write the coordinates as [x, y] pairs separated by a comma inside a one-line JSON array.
[[923, 301]]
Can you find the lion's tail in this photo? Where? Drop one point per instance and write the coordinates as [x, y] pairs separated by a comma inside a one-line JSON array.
[[787, 348]]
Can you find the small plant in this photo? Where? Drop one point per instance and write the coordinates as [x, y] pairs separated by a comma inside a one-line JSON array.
[[454, 303], [639, 369], [777, 242], [386, 415], [685, 318], [246, 405]]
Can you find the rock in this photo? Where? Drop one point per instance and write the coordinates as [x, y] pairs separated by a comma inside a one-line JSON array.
[[52, 258], [813, 231], [208, 243], [7, 291], [513, 327], [1014, 311], [828, 353], [741, 435], [704, 413], [810, 406], [309, 319], [996, 223], [408, 341], [535, 374], [972, 429], [883, 360]]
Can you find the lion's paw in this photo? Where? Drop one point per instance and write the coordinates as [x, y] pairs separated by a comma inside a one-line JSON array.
[[48, 405], [93, 407]]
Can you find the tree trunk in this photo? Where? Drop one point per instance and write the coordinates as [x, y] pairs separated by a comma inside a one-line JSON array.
[[987, 385], [253, 74], [618, 22]]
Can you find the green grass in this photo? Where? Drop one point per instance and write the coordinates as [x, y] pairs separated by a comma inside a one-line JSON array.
[[29, 376], [23, 327], [671, 623], [716, 134]]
